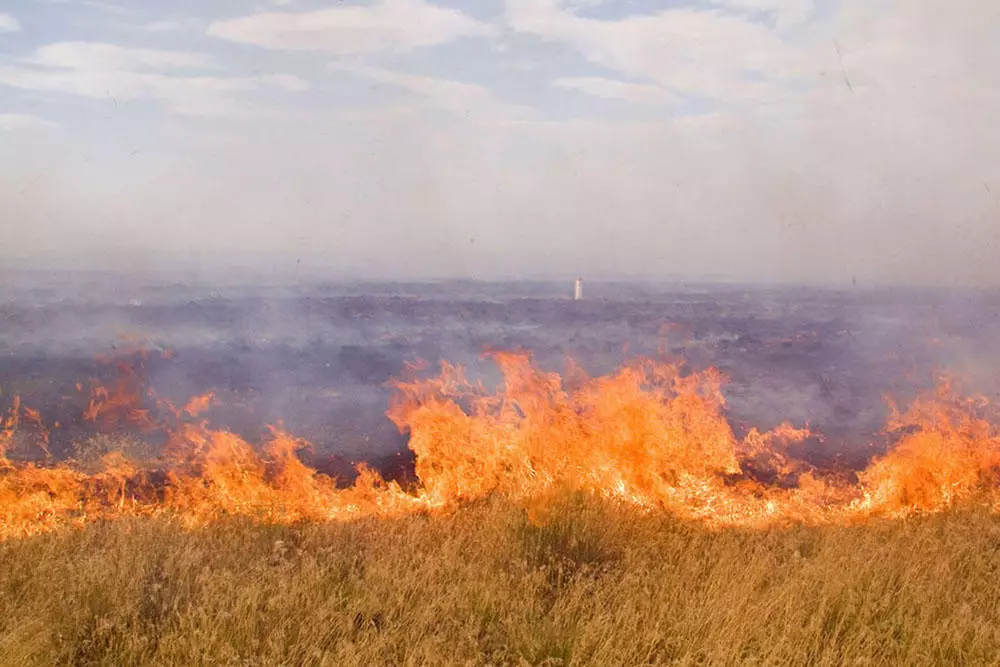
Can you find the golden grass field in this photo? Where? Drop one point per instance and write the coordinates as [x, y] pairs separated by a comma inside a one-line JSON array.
[[592, 584]]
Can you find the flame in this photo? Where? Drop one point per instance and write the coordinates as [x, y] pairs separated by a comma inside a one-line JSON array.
[[123, 403], [649, 435], [949, 452], [198, 404], [8, 424]]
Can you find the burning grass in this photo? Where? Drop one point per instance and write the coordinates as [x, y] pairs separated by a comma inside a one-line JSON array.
[[611, 520], [598, 582], [650, 435]]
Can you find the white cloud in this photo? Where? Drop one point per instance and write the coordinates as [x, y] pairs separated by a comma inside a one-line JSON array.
[[387, 25], [894, 178], [704, 53], [785, 12], [96, 56], [8, 23], [921, 48], [457, 97], [612, 89], [20, 121], [107, 71]]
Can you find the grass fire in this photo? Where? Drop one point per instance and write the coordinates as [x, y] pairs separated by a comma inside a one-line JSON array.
[[649, 436], [555, 519], [521, 332]]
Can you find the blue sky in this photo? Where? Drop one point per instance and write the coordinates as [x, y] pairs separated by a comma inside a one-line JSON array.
[[793, 140]]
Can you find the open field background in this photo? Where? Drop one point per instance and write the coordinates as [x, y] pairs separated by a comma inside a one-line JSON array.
[[592, 584]]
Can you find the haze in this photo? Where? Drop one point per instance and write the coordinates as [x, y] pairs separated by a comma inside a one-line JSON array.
[[750, 140]]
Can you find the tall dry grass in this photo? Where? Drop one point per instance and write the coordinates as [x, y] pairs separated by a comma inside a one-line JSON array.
[[595, 585]]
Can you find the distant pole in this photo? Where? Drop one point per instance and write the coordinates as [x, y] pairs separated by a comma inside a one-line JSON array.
[[578, 289]]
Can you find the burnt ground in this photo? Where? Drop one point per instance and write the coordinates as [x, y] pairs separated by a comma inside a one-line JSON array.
[[317, 357]]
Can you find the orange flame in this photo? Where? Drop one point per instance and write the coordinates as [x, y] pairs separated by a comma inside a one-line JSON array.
[[647, 435], [7, 426], [199, 404], [122, 403]]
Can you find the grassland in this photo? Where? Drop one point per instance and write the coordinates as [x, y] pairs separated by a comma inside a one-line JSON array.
[[593, 585]]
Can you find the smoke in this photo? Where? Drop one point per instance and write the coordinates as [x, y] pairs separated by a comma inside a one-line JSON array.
[[317, 357]]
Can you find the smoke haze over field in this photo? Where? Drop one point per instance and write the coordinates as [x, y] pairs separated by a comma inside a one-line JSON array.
[[788, 140], [317, 357]]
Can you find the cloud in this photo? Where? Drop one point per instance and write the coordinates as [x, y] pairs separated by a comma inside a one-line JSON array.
[[20, 121], [704, 53], [8, 23], [920, 48], [788, 173], [96, 56], [612, 89], [103, 71], [457, 97], [785, 12], [387, 25]]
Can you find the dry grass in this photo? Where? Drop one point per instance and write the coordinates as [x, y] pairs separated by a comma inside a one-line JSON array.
[[597, 585]]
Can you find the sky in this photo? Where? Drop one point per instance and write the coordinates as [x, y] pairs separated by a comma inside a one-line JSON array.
[[802, 141]]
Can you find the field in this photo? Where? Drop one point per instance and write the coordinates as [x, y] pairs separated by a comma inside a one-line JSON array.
[[593, 584], [736, 476]]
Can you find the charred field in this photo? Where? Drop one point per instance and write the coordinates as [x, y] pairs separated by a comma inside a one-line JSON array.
[[337, 474]]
